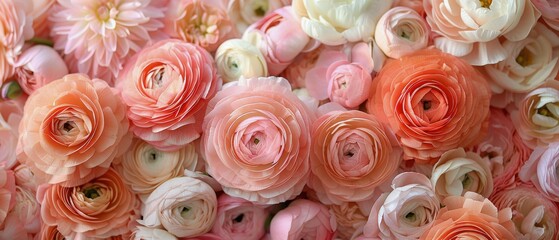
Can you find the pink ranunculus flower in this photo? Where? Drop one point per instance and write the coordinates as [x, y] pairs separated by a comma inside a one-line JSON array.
[[38, 66], [303, 219], [26, 215], [16, 26], [10, 116], [471, 29], [201, 22], [98, 37], [416, 5], [246, 12], [184, 206], [349, 218], [25, 178], [49, 233], [296, 72], [550, 12], [72, 129], [238, 218], [534, 215], [257, 140], [351, 155], [7, 193], [542, 170], [279, 38], [167, 89], [401, 31]]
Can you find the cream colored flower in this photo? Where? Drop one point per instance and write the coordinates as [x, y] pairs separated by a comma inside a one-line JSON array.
[[237, 58], [246, 12]]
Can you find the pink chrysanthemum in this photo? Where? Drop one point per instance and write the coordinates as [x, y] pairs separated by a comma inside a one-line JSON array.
[[98, 36]]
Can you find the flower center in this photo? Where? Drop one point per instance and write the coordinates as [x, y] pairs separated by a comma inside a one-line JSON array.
[[260, 8], [426, 105], [466, 181], [485, 3], [155, 77], [68, 126], [91, 192], [239, 218], [103, 13], [524, 58], [411, 217], [544, 111], [185, 211]]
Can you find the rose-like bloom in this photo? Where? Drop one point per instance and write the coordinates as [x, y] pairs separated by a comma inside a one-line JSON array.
[[534, 216], [167, 89], [416, 5], [458, 172], [98, 37], [542, 169], [102, 207], [335, 23], [279, 38], [401, 31], [145, 233], [349, 219], [537, 117], [470, 29], [144, 167], [550, 12], [10, 116], [303, 219], [256, 140], [184, 206], [237, 58], [530, 63], [351, 154], [406, 212], [246, 12], [7, 193], [25, 178], [16, 27], [433, 101], [239, 219], [201, 22], [72, 129], [38, 66], [471, 217]]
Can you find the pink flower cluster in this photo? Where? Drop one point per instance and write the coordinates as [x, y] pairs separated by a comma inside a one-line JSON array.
[[279, 119]]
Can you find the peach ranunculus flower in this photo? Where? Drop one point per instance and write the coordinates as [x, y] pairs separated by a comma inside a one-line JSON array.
[[11, 112], [184, 206], [144, 167], [101, 208], [38, 66], [303, 219], [72, 129], [351, 154], [471, 29], [550, 12], [401, 31], [349, 218], [15, 28], [236, 58], [458, 172], [405, 212], [471, 217], [201, 22], [25, 178], [542, 170], [335, 23], [238, 218], [167, 89], [531, 62], [257, 140], [534, 215], [98, 37], [433, 101], [246, 12], [7, 193], [49, 233]]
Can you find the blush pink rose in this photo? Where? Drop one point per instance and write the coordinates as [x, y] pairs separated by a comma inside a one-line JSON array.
[[303, 219], [167, 89], [542, 170], [38, 66], [238, 218], [11, 112], [72, 129], [16, 27], [401, 31], [257, 140]]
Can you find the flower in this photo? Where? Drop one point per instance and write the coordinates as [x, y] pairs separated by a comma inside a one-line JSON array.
[[405, 212], [296, 72], [458, 172], [531, 62], [352, 153], [184, 206], [102, 207], [10, 116], [416, 5], [49, 233], [16, 27], [25, 178], [71, 130], [38, 66], [239, 219], [471, 29], [471, 216], [201, 22], [335, 23], [40, 16], [246, 12], [237, 58], [7, 193], [144, 167], [534, 216], [401, 31], [256, 140], [434, 102], [550, 12], [26, 213], [141, 233], [542, 170], [349, 218], [303, 219], [167, 89], [98, 37]]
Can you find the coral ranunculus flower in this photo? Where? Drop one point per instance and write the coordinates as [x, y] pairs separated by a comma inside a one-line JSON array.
[[433, 101]]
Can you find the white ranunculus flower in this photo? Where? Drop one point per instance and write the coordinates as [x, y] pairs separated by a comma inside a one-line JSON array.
[[338, 22], [246, 12], [237, 57]]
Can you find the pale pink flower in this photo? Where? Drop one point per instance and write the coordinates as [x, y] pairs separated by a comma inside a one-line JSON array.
[[401, 31], [238, 218], [550, 12], [7, 193], [303, 219], [416, 5], [349, 218], [25, 217], [25, 178], [296, 72], [11, 113], [38, 66], [98, 37], [542, 169], [15, 28], [40, 14]]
